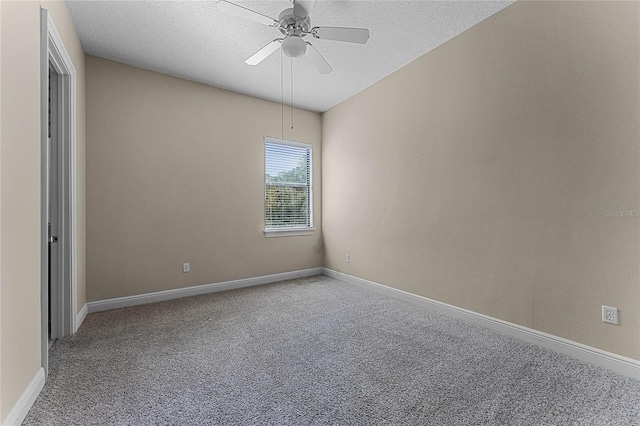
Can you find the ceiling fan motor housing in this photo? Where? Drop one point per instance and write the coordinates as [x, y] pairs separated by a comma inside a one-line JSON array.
[[290, 24]]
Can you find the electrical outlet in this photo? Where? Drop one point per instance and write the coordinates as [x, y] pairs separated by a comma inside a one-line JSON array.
[[347, 259], [186, 267], [609, 314]]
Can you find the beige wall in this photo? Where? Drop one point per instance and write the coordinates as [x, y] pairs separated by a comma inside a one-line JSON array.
[[479, 174], [20, 188], [175, 173]]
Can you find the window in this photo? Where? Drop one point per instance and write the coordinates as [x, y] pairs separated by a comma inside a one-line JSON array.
[[288, 190]]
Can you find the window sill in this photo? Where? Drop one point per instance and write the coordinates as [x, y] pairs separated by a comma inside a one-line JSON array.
[[288, 232]]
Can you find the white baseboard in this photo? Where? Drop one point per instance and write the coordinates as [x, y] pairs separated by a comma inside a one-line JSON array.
[[619, 364], [160, 296], [20, 410], [80, 317]]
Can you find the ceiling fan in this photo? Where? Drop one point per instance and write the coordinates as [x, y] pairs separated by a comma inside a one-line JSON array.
[[294, 23]]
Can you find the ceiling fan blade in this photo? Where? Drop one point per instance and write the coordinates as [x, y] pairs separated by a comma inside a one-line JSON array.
[[264, 53], [302, 8], [317, 60], [243, 12], [351, 35]]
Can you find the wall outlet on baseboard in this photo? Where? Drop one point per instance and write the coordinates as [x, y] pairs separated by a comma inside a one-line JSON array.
[[347, 259], [609, 314], [186, 267]]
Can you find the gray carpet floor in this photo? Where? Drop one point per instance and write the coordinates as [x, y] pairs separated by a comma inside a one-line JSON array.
[[316, 351]]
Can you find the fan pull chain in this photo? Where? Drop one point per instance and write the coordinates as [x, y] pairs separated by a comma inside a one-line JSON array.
[[291, 93], [282, 95]]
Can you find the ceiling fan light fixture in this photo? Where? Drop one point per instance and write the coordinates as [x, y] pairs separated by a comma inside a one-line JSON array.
[[294, 47]]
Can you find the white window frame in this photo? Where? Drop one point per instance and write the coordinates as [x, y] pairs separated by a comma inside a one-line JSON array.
[[293, 231]]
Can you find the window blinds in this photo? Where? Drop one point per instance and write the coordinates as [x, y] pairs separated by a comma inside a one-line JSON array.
[[287, 184]]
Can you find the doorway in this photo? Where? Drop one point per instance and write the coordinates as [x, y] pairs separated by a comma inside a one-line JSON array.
[[58, 287], [53, 210]]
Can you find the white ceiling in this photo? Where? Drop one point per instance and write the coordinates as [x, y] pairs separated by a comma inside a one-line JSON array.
[[195, 41]]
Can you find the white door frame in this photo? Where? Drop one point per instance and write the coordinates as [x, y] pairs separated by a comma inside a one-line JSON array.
[[53, 52]]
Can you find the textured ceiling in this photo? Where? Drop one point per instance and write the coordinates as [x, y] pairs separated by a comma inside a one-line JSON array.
[[196, 41]]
